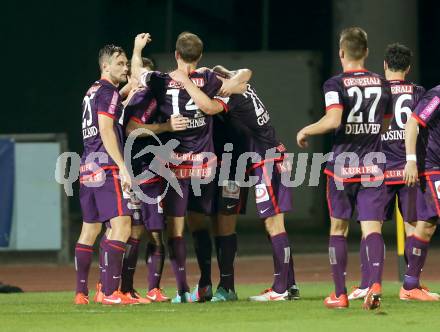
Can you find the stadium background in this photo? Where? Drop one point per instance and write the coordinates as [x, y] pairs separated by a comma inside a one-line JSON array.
[[50, 59]]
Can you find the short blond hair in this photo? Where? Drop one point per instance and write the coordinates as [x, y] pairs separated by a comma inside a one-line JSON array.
[[354, 42]]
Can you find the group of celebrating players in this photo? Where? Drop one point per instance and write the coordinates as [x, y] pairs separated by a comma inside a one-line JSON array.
[[216, 117]]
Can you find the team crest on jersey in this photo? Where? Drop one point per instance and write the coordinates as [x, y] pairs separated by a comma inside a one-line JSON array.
[[231, 189], [261, 194]]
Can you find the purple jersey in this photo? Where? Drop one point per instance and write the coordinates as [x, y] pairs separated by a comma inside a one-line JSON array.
[[142, 108], [247, 124], [172, 99], [405, 96], [427, 113], [365, 99], [101, 98]]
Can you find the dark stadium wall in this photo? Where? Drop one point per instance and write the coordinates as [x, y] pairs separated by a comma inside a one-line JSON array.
[[52, 47]]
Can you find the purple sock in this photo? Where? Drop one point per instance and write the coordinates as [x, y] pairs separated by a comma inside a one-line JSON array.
[[226, 249], [83, 260], [129, 265], [281, 254], [114, 253], [376, 257], [177, 253], [365, 272], [101, 258], [418, 250], [408, 245], [291, 273], [155, 259], [337, 251], [203, 249]]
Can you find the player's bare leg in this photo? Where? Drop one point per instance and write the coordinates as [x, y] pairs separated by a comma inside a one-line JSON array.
[[338, 260], [372, 232], [83, 259], [226, 249], [155, 258], [417, 251], [177, 253], [199, 229], [281, 254]]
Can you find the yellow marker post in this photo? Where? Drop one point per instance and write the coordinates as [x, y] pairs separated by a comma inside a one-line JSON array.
[[400, 230]]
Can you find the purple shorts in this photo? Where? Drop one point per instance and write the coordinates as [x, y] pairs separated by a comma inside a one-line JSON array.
[[229, 197], [407, 200], [152, 214], [367, 201], [428, 202], [100, 204], [271, 195], [177, 206]]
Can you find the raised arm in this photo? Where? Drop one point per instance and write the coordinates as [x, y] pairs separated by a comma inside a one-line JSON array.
[[235, 82], [137, 69]]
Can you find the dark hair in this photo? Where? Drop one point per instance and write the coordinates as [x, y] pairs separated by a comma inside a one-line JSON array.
[[398, 57], [107, 51], [189, 46], [353, 41], [147, 62]]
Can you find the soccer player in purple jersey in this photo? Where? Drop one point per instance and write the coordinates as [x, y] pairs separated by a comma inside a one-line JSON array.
[[104, 178], [141, 112], [405, 97], [358, 108], [250, 121], [422, 169], [188, 158]]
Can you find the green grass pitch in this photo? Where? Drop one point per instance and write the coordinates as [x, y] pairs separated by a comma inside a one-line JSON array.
[[55, 312]]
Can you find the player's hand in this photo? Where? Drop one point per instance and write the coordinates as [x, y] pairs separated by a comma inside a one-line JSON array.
[[125, 179], [177, 123], [179, 76], [227, 87], [301, 139], [141, 40], [410, 173]]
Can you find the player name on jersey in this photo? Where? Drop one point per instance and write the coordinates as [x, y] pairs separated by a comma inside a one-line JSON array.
[[89, 132], [362, 128], [394, 135]]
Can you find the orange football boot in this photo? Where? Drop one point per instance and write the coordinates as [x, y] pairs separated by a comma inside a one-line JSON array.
[[333, 302]]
